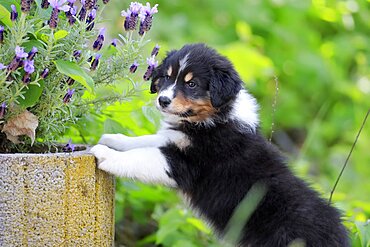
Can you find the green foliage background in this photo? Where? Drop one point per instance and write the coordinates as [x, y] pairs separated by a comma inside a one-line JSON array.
[[319, 53]]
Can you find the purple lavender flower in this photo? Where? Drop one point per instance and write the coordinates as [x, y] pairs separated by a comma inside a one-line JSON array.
[[95, 62], [155, 50], [152, 63], [26, 5], [72, 15], [146, 17], [70, 81], [69, 147], [67, 97], [2, 110], [127, 15], [131, 16], [45, 4], [28, 66], [19, 52], [147, 10], [90, 20], [96, 7], [83, 11], [26, 78], [77, 54], [57, 6], [98, 43], [135, 8], [32, 53], [13, 13], [90, 4], [92, 14], [53, 21], [2, 66], [29, 69], [1, 34], [72, 12], [16, 62], [114, 42], [133, 67], [44, 73]]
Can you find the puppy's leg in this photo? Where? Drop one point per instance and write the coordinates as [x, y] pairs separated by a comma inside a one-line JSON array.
[[121, 142], [146, 164]]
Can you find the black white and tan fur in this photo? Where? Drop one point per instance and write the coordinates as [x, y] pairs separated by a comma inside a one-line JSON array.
[[211, 150]]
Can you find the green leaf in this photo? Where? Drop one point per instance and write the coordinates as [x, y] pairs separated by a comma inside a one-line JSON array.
[[44, 37], [112, 127], [43, 13], [184, 243], [32, 43], [109, 51], [151, 114], [74, 71], [5, 16], [32, 94], [169, 225], [364, 233], [198, 224], [243, 212], [60, 34], [163, 232]]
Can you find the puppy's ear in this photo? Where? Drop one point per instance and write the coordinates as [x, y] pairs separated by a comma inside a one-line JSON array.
[[224, 86], [158, 72]]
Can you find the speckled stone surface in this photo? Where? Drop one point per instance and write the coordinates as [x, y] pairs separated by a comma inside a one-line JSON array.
[[55, 200]]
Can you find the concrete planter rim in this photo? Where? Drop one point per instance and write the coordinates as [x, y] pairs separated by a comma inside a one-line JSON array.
[[50, 154]]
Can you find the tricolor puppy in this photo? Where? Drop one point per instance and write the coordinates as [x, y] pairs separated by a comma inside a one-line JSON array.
[[211, 150]]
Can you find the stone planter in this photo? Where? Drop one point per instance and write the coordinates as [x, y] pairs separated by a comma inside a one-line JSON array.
[[55, 200]]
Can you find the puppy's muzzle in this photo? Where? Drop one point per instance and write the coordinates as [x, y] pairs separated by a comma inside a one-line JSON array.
[[164, 101]]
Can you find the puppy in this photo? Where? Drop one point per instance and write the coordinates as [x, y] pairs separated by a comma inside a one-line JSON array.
[[211, 150]]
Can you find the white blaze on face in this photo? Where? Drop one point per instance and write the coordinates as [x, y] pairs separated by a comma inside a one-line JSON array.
[[182, 63], [170, 91]]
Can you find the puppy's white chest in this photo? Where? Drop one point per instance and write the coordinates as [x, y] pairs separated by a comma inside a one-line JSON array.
[[177, 137]]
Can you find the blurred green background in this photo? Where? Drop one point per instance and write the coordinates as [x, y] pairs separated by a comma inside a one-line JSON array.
[[318, 51]]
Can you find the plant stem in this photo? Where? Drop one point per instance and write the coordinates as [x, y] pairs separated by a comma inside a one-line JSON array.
[[349, 156]]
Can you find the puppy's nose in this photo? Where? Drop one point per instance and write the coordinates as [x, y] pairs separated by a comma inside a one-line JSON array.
[[164, 101]]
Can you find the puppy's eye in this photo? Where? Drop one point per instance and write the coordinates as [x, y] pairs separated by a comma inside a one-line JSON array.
[[166, 77], [191, 84]]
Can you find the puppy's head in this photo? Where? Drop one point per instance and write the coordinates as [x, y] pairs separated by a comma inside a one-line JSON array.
[[194, 83]]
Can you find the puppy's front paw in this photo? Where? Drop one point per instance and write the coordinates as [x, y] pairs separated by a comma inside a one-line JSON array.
[[104, 156], [115, 141]]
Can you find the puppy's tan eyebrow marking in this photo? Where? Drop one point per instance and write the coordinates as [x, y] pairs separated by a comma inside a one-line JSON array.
[[188, 77], [169, 71]]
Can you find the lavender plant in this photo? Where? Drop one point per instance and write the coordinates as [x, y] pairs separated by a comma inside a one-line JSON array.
[[55, 57]]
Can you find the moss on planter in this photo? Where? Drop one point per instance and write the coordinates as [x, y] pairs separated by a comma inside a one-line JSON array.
[[55, 200]]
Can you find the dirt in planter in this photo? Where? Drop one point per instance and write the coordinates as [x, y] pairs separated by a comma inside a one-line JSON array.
[[7, 147]]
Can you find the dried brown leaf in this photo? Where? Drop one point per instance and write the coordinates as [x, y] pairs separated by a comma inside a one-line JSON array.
[[22, 124]]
